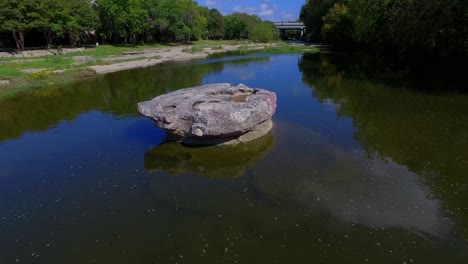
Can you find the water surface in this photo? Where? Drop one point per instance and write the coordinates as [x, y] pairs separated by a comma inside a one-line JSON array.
[[357, 169]]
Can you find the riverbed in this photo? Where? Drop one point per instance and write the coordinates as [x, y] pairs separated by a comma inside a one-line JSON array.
[[358, 168]]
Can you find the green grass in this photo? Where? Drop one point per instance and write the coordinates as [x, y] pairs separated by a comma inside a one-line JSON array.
[[209, 43], [290, 49], [13, 69], [22, 85], [193, 49]]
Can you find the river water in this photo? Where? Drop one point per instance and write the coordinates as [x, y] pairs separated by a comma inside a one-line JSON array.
[[358, 168]]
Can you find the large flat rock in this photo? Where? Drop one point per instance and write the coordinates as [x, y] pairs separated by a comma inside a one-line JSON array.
[[212, 114]]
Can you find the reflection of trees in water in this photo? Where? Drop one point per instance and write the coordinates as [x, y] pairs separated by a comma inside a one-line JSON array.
[[425, 131], [220, 162], [115, 93]]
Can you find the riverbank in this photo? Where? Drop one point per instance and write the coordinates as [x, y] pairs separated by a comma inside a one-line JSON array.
[[21, 74]]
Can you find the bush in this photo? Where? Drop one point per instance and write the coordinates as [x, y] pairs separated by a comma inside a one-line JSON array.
[[42, 74], [265, 32]]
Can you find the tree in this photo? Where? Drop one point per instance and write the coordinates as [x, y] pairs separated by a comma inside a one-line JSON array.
[[215, 24], [191, 20], [251, 21], [81, 18], [158, 22], [19, 16], [337, 25], [113, 19], [177, 20], [312, 13], [137, 19], [437, 27], [235, 28], [265, 32], [52, 19]]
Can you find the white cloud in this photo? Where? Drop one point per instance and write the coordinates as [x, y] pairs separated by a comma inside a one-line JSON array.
[[210, 3], [246, 9], [267, 11], [287, 17], [264, 10]]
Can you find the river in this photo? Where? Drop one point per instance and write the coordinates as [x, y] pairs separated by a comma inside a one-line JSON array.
[[358, 168]]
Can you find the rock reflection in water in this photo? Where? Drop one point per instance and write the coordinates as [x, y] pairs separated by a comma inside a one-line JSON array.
[[225, 162], [374, 192]]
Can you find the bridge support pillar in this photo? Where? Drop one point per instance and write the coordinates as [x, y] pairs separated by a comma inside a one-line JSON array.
[[282, 33]]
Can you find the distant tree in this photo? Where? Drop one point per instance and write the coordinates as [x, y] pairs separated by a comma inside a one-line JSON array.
[[265, 32], [81, 18], [136, 20], [18, 17], [251, 21], [312, 13], [337, 24], [177, 20], [113, 19], [52, 19], [192, 21], [236, 28], [158, 20], [215, 24], [402, 26]]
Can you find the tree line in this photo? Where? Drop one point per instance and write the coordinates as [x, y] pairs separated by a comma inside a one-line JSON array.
[[438, 27], [72, 22]]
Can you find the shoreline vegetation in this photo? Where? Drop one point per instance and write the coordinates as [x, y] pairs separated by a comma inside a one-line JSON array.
[[410, 30], [23, 74], [129, 34]]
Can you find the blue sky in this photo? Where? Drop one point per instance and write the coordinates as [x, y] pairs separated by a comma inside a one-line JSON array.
[[273, 10]]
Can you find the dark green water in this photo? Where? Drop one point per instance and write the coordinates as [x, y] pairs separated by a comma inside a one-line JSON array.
[[355, 170]]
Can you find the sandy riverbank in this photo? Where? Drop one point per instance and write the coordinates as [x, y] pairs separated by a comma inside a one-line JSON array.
[[151, 57]]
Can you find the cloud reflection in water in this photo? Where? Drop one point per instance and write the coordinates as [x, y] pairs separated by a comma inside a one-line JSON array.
[[375, 192]]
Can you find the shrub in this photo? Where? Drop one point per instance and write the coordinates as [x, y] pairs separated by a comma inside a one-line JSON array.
[[42, 74], [264, 32]]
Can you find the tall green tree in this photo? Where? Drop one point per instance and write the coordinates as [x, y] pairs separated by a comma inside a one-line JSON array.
[[136, 20], [179, 20], [265, 32], [337, 25], [215, 24], [113, 19], [312, 13], [81, 18], [437, 27], [236, 28], [52, 19], [19, 17], [251, 21]]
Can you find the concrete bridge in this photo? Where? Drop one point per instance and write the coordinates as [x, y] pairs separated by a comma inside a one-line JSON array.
[[283, 26]]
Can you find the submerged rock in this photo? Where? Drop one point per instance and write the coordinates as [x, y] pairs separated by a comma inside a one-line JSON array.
[[213, 114]]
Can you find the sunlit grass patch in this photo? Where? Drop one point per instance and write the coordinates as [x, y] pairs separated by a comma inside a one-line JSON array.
[[291, 49], [41, 74], [193, 49]]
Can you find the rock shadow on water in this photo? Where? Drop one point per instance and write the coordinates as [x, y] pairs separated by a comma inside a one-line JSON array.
[[216, 162]]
